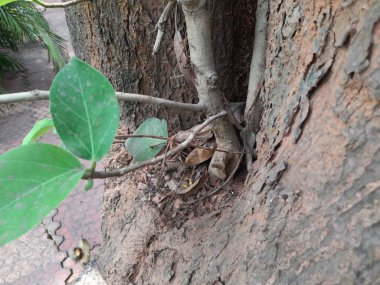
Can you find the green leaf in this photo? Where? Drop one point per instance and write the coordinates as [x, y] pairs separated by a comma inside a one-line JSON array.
[[5, 2], [84, 109], [146, 148], [34, 179], [39, 128], [89, 185]]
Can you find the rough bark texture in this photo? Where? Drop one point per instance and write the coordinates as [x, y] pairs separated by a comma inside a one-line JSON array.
[[117, 37], [309, 210]]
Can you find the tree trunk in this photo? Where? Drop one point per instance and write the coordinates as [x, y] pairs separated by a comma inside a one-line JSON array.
[[308, 212], [117, 37]]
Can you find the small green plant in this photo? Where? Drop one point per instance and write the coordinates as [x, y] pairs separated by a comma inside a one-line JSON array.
[[36, 177]]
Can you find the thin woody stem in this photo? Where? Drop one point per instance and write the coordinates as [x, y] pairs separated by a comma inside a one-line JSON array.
[[124, 137], [36, 95], [135, 166], [58, 5]]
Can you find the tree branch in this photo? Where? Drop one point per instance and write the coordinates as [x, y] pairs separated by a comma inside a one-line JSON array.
[[58, 5], [162, 24], [198, 27], [124, 137], [36, 95], [135, 166], [258, 54], [255, 76]]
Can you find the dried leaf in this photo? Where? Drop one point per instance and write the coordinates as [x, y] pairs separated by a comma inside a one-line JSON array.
[[172, 185], [198, 155], [201, 138], [236, 113], [183, 61]]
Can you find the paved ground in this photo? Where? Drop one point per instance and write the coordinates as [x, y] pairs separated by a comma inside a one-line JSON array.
[[40, 256]]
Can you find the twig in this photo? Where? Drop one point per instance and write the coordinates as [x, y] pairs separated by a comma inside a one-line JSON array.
[[135, 166], [163, 163], [221, 186], [36, 95], [215, 149], [161, 25], [124, 137], [58, 5]]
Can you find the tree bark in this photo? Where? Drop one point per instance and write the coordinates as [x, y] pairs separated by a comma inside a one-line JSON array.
[[117, 37], [308, 212]]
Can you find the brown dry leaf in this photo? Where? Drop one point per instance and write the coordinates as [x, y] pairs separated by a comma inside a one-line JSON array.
[[198, 155], [202, 137], [183, 61], [196, 185]]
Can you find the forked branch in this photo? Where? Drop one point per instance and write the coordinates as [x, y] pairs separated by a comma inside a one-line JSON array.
[[36, 95], [198, 27], [135, 166]]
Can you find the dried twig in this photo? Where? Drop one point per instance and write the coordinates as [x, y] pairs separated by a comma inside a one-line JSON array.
[[58, 5], [36, 95], [135, 166], [214, 149], [124, 137], [162, 24], [163, 163]]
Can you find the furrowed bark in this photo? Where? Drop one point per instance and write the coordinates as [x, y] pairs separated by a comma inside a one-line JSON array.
[[209, 93]]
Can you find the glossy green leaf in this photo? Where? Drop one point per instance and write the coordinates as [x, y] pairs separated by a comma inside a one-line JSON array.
[[84, 109], [5, 2], [34, 179], [146, 148], [39, 128]]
